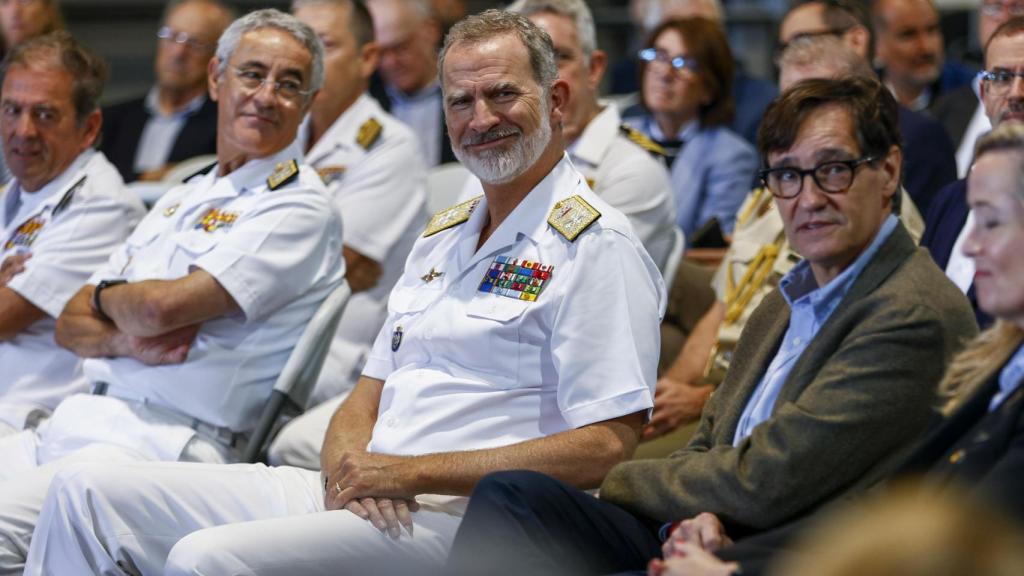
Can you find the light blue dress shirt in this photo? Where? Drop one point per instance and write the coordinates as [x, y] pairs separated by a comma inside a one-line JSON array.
[[1010, 378], [810, 307], [421, 112]]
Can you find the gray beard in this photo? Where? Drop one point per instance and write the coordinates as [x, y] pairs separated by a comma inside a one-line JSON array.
[[502, 166]]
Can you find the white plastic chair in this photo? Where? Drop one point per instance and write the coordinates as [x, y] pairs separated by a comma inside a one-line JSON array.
[[675, 256], [150, 192], [444, 185], [296, 382]]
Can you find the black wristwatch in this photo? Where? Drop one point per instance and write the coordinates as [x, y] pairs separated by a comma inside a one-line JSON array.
[[104, 284]]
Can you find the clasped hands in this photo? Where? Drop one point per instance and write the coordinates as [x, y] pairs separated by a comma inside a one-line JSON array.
[[373, 487], [689, 549]]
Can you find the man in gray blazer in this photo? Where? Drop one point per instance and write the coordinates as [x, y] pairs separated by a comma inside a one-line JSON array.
[[832, 379]]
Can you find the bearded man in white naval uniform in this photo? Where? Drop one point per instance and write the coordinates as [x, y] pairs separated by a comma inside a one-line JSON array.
[[624, 167], [60, 218], [374, 171], [188, 324], [523, 334]]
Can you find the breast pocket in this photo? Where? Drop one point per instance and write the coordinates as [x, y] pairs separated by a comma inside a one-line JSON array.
[[493, 331]]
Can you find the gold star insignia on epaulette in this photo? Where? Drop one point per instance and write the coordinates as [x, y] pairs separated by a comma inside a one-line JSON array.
[[330, 173], [572, 216], [369, 132], [640, 139], [453, 216], [284, 172]]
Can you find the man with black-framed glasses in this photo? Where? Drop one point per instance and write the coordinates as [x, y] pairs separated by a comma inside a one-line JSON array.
[[832, 380], [145, 136]]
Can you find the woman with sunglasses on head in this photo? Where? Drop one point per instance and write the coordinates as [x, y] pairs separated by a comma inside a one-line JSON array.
[[686, 87]]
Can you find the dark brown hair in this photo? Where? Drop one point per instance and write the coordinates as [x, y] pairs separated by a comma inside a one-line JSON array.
[[706, 42], [871, 106], [1011, 27], [60, 50]]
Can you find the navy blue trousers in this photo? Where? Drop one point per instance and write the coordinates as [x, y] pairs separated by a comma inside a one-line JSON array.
[[527, 523]]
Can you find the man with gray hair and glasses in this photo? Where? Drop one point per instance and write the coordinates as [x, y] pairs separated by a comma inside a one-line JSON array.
[[523, 334], [187, 325]]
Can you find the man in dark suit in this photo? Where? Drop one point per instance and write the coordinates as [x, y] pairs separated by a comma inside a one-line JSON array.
[[947, 223], [819, 399], [176, 120], [961, 111], [928, 163], [909, 49]]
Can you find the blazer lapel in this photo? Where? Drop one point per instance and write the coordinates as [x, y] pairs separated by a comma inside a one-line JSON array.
[[749, 365]]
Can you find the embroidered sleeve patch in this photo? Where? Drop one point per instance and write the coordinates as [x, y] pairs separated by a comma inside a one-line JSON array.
[[515, 278], [572, 216]]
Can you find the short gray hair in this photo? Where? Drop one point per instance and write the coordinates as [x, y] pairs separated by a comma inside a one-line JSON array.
[[491, 23], [271, 18], [576, 10], [826, 51]]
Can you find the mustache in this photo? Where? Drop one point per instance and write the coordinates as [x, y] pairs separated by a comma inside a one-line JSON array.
[[496, 133]]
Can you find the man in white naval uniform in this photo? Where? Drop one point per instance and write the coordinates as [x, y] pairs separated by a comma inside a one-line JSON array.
[[622, 165], [374, 171], [60, 218], [523, 334], [188, 324]]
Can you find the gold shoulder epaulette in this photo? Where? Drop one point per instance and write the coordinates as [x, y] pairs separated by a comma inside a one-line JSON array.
[[640, 139], [450, 217], [572, 216], [284, 173], [369, 132]]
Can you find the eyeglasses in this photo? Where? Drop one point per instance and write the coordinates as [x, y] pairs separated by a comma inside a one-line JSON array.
[[996, 9], [834, 176], [679, 63], [803, 36], [254, 80], [999, 80], [169, 34]]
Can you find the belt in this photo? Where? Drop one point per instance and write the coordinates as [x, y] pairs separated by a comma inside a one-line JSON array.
[[221, 434]]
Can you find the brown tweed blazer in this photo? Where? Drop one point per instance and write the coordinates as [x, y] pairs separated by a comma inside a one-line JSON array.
[[854, 402]]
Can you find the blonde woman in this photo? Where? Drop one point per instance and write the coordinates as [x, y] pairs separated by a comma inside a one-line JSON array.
[[980, 441]]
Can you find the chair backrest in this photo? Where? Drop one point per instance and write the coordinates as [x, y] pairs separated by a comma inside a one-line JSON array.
[[444, 184], [675, 255], [188, 167], [299, 376]]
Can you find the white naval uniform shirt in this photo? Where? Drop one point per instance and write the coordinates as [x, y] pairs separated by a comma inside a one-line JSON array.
[[629, 178], [474, 370], [380, 193], [278, 259], [624, 175], [69, 226]]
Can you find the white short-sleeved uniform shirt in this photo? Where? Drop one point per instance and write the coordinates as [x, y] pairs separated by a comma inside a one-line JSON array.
[[624, 175], [374, 171], [70, 226], [276, 251], [470, 369]]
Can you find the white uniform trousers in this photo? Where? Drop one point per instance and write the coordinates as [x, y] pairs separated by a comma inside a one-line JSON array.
[[173, 518], [298, 443], [24, 482]]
